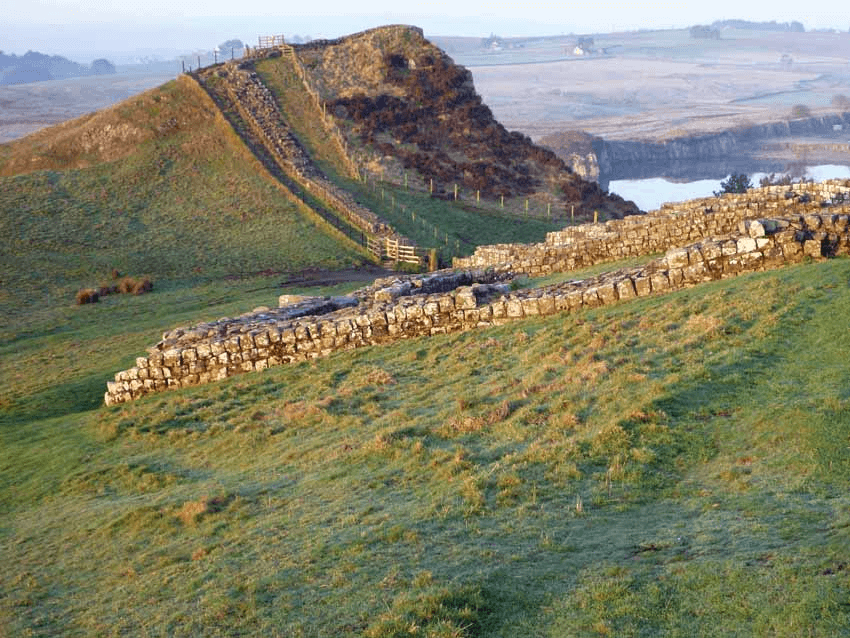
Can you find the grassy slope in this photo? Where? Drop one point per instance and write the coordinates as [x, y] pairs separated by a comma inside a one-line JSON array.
[[432, 487], [453, 228], [187, 203]]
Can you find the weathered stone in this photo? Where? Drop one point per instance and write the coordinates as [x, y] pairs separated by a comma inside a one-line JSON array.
[[626, 289], [659, 282], [513, 308], [746, 244], [813, 248], [607, 293], [676, 258]]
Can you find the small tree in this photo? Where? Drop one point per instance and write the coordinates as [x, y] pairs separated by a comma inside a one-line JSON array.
[[838, 101], [735, 184], [800, 110]]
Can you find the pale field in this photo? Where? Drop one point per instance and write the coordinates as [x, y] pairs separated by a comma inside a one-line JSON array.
[[26, 108], [640, 85], [657, 85]]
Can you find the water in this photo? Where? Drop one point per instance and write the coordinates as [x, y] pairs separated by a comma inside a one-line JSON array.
[[650, 193]]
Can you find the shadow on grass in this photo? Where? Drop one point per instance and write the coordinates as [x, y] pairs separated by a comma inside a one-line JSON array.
[[72, 397]]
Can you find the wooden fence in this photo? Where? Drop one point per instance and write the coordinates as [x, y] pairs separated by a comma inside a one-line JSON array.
[[394, 249], [271, 41]]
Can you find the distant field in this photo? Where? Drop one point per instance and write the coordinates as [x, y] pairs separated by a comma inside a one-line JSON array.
[[650, 84], [26, 108]]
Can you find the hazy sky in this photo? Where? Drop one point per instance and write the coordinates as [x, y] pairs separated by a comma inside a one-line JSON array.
[[90, 28]]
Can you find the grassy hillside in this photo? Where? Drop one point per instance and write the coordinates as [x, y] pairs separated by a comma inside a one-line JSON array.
[[183, 201], [453, 227], [674, 466]]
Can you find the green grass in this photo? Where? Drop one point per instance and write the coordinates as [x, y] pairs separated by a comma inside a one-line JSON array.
[[430, 488], [454, 228], [188, 206]]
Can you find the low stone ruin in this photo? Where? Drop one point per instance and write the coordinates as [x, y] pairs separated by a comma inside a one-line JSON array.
[[451, 301]]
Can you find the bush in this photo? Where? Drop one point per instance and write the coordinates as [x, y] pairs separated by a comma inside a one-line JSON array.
[[735, 184], [800, 110], [142, 286], [840, 101], [87, 295]]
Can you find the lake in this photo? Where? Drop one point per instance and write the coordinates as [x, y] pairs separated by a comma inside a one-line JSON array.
[[650, 193]]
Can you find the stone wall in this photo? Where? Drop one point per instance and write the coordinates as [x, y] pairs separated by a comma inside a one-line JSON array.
[[236, 88], [672, 225], [447, 302]]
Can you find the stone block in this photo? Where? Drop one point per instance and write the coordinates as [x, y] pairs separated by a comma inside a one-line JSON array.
[[546, 304], [676, 258], [626, 289], [813, 248], [575, 298], [431, 308], [171, 358], [465, 298], [530, 307], [446, 304], [659, 282], [746, 245], [262, 339], [513, 308], [590, 298], [607, 292]]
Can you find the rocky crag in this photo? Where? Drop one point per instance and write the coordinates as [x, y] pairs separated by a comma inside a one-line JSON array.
[[414, 115], [812, 223], [594, 157]]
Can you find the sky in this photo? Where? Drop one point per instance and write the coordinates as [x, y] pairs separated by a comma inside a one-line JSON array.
[[85, 29]]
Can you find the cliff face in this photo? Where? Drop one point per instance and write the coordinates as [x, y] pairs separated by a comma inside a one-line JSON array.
[[407, 104], [639, 158]]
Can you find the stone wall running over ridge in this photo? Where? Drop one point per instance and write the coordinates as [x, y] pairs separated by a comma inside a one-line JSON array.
[[447, 302]]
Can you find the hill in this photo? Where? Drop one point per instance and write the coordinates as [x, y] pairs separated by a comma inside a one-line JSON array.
[[411, 108], [39, 67], [671, 466], [157, 185], [674, 465]]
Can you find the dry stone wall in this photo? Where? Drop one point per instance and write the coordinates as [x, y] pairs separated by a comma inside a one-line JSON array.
[[448, 302], [672, 225], [236, 86]]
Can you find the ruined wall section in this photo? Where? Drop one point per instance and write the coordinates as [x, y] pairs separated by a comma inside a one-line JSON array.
[[673, 225], [454, 301]]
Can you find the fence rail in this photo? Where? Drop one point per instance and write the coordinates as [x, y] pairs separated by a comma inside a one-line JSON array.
[[393, 248], [270, 41]]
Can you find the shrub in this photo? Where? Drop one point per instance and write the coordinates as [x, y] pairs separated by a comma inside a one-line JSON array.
[[126, 285], [735, 184], [87, 295], [800, 110], [142, 286]]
